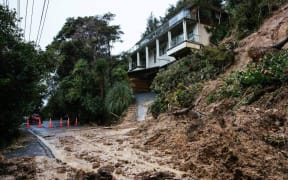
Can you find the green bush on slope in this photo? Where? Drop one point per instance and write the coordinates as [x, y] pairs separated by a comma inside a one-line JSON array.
[[272, 70], [118, 98], [178, 85]]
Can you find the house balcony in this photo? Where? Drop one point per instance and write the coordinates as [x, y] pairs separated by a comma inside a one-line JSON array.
[[181, 46], [171, 41]]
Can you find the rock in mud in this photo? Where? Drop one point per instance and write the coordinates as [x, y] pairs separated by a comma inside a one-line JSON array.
[[156, 175], [102, 174], [108, 168], [61, 170], [96, 165], [69, 149], [118, 171], [105, 173]]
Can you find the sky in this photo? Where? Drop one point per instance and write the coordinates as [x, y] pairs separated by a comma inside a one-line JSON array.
[[131, 15]]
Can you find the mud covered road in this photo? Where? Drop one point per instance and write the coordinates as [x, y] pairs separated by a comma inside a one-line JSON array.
[[85, 152], [112, 148]]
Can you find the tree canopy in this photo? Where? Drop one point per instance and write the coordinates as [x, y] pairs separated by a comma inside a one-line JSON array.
[[86, 71]]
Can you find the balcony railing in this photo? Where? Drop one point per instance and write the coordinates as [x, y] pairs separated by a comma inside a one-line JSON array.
[[177, 40], [193, 37], [162, 29], [181, 15], [134, 64], [180, 38]]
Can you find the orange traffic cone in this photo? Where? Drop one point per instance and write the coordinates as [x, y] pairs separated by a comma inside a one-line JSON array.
[[27, 124], [68, 122], [50, 123], [76, 122], [39, 123], [61, 123]]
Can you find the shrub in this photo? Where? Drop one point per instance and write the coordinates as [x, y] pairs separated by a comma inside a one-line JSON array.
[[271, 70], [183, 97], [118, 98], [158, 106]]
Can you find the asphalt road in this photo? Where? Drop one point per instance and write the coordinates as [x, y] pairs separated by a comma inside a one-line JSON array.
[[31, 145]]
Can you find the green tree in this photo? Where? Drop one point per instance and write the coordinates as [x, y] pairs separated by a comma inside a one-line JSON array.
[[85, 68], [152, 24], [22, 73]]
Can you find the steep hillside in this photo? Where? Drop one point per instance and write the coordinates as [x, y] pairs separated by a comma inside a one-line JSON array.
[[233, 134], [272, 31]]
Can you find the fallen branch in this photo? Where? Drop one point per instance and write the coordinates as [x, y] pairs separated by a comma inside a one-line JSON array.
[[115, 115], [181, 111]]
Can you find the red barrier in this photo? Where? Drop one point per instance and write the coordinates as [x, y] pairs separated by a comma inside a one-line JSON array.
[[39, 123], [76, 122], [50, 123], [61, 123], [27, 124], [68, 122]]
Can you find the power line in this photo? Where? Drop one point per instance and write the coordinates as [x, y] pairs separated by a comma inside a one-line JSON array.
[[44, 21], [31, 19], [25, 18], [18, 13], [40, 24]]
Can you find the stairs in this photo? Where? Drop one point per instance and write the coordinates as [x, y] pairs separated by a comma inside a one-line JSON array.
[[131, 114]]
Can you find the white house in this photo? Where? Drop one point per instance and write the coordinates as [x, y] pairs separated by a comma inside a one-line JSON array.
[[185, 31]]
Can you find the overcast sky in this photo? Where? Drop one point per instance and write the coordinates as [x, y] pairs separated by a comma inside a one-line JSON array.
[[131, 15]]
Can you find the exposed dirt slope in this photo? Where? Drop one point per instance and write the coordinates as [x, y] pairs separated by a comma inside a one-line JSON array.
[[246, 143], [273, 30]]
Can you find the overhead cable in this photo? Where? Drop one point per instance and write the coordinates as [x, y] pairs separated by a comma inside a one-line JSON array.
[[31, 20], [40, 24], [18, 13], [25, 18], [43, 22]]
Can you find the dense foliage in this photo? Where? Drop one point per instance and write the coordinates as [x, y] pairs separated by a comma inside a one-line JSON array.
[[178, 85], [22, 73], [250, 84], [86, 72], [246, 15]]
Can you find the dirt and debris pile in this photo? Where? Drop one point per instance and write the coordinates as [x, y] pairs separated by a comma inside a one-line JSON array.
[[248, 143], [102, 173], [18, 168], [244, 142], [46, 168], [155, 175]]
